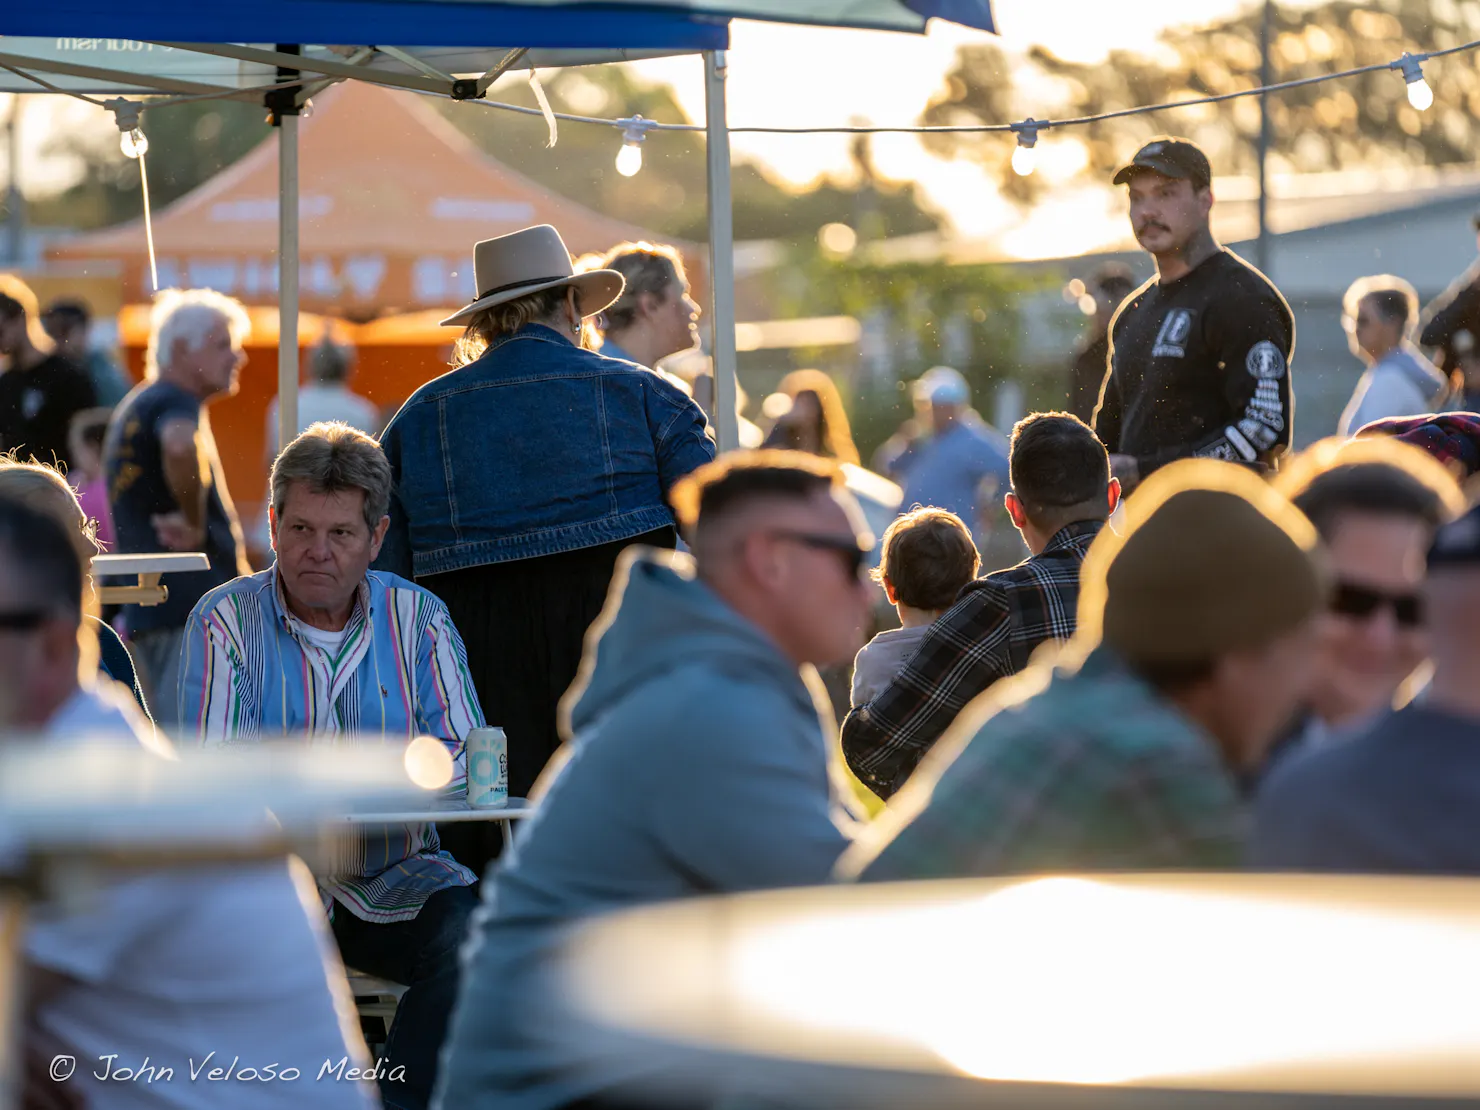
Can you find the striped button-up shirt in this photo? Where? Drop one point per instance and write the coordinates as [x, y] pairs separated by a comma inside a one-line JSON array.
[[248, 673], [991, 632]]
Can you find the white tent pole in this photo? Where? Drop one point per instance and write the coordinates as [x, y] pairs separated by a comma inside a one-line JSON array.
[[721, 254], [287, 279]]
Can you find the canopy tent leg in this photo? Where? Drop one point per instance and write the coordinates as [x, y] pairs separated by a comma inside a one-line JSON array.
[[287, 279], [721, 254]]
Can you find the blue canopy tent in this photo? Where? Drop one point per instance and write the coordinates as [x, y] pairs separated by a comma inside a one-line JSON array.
[[46, 41]]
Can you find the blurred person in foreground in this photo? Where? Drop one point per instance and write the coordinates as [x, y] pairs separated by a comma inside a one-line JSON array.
[[166, 485], [183, 968], [68, 321], [88, 431], [44, 490], [325, 396], [928, 558], [1450, 322], [1194, 649], [1379, 314], [1400, 796], [1375, 504], [320, 644], [961, 463], [1106, 288], [40, 390], [697, 762], [1199, 355], [523, 474], [1062, 493]]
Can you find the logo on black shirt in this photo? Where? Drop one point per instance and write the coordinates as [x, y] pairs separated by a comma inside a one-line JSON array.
[[1265, 361], [1171, 341]]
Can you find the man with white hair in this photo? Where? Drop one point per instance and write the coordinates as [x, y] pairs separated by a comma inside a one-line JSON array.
[[165, 482]]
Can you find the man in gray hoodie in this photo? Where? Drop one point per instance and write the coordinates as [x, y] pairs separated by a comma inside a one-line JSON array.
[[696, 762]]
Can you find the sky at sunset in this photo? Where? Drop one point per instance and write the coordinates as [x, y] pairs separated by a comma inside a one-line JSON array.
[[793, 75]]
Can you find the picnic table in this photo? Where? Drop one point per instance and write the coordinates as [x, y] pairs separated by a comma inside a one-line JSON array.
[[147, 569]]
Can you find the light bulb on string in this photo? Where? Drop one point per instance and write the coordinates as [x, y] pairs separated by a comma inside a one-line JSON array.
[[629, 158], [1025, 157], [1420, 95], [134, 143]]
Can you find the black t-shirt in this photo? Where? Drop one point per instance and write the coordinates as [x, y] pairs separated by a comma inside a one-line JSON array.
[[37, 406], [138, 491], [1086, 375], [1200, 366]]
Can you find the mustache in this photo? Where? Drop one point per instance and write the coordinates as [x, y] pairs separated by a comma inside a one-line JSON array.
[[1149, 224]]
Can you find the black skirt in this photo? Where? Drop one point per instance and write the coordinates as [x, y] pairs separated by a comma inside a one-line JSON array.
[[524, 624]]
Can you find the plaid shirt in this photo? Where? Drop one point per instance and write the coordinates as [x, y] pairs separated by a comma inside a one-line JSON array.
[[992, 630], [1086, 770]]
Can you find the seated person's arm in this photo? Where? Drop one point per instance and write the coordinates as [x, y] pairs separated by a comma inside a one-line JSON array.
[[446, 703], [212, 677]]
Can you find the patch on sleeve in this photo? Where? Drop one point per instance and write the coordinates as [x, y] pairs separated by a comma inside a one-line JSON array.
[[1265, 361]]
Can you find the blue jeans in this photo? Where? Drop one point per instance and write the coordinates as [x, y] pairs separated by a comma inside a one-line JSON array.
[[420, 954]]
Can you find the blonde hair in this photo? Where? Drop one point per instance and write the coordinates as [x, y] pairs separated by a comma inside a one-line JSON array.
[[42, 489], [16, 298], [189, 315], [507, 318]]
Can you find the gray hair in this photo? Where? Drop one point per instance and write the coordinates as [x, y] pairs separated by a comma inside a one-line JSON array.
[[189, 315], [332, 457]]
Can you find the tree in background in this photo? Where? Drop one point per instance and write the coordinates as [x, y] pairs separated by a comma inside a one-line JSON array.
[[1359, 121], [190, 143], [669, 194]]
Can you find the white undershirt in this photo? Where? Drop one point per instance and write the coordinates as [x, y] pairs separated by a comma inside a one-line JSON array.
[[329, 641]]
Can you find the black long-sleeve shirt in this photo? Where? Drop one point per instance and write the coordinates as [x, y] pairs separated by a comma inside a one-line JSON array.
[[1086, 375], [1200, 366], [1455, 310]]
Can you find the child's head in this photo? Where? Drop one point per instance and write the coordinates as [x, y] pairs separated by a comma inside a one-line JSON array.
[[85, 441], [928, 556]]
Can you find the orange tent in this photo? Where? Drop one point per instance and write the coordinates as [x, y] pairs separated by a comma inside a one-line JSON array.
[[392, 198]]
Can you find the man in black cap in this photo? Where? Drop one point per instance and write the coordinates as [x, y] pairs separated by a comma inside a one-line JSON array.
[[1106, 288], [1451, 321], [1401, 795], [1200, 354]]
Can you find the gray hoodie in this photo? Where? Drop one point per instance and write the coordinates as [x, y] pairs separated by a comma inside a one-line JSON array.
[[698, 765]]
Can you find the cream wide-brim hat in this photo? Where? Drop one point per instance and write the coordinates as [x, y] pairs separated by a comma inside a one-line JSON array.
[[528, 261]]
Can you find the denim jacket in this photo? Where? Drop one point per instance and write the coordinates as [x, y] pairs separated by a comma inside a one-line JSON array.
[[538, 447]]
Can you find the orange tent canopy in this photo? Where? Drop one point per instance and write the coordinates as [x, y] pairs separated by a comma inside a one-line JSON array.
[[392, 199]]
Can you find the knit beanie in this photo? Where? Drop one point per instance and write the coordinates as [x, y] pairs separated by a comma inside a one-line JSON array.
[[1210, 560]]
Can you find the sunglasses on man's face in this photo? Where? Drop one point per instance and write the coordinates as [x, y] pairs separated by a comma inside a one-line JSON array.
[[846, 547], [1363, 603]]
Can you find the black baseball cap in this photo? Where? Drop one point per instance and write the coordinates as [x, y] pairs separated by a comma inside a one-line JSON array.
[[1171, 157]]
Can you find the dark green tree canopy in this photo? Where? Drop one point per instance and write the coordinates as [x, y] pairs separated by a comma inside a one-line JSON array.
[[1357, 121]]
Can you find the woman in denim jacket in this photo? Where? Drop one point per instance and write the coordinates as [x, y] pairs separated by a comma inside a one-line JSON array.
[[523, 473]]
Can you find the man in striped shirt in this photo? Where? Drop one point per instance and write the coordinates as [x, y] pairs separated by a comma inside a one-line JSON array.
[[319, 644]]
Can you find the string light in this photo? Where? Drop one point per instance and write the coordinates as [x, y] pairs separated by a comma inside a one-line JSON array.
[[629, 158], [131, 139], [1025, 157], [1419, 93]]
